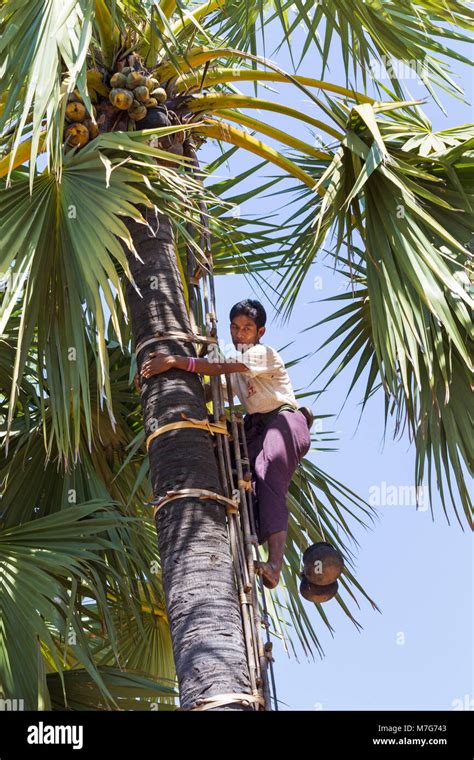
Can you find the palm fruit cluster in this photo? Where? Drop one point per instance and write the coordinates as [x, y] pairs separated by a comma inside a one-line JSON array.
[[322, 565], [81, 126], [135, 92], [121, 99]]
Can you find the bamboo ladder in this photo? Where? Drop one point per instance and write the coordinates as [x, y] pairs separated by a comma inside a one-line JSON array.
[[241, 523]]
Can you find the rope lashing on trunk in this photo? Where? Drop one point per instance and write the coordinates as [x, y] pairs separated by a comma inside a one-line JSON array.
[[191, 337], [219, 700], [231, 505], [190, 422]]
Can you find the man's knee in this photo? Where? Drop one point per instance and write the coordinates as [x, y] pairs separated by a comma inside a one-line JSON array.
[[272, 470]]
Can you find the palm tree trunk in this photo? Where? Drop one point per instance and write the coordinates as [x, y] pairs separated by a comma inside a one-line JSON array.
[[197, 570]]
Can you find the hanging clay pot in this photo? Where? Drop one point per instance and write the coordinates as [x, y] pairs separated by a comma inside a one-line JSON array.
[[322, 563], [317, 594]]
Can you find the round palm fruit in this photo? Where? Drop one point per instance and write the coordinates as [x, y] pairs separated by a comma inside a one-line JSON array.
[[121, 98], [76, 135], [150, 103], [160, 94], [322, 563], [92, 127], [126, 70], [135, 79], [141, 93], [138, 111], [118, 80], [318, 594], [152, 83], [75, 111]]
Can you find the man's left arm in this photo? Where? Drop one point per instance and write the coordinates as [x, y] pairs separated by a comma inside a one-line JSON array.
[[159, 362]]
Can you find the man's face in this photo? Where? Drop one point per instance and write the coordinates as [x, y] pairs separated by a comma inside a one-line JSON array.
[[244, 332]]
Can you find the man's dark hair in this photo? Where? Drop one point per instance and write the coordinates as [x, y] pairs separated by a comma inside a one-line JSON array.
[[250, 308]]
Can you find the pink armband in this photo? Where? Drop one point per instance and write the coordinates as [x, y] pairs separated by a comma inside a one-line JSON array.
[[191, 367]]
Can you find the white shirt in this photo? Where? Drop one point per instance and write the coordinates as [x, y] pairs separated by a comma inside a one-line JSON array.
[[266, 385]]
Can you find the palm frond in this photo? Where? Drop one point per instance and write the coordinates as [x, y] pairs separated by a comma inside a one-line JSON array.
[[44, 564], [54, 40], [390, 195], [131, 691], [372, 36], [427, 387], [70, 253]]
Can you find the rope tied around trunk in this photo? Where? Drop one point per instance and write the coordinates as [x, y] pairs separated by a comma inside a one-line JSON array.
[[219, 700], [189, 422], [231, 505], [176, 335]]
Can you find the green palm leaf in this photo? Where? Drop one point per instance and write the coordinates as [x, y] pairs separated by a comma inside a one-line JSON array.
[[53, 38], [69, 254], [43, 562], [131, 691], [367, 33], [427, 386]]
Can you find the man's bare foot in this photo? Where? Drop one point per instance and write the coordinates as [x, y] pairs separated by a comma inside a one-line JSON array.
[[270, 573]]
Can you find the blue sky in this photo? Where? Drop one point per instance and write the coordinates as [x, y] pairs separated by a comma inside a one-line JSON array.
[[417, 654]]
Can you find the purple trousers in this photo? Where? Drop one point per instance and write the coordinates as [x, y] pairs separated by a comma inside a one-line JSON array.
[[274, 455]]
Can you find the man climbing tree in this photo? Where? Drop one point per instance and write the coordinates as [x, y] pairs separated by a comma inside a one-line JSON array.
[[277, 430]]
